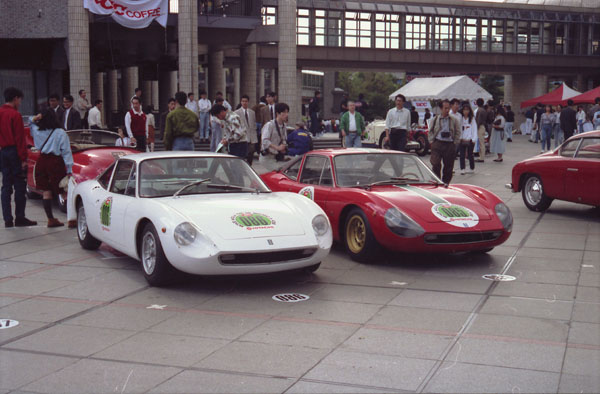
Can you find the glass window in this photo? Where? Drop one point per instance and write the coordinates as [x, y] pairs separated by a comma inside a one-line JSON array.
[[121, 178], [568, 149], [560, 39], [387, 31], [313, 169], [522, 36], [497, 34], [458, 38], [269, 15], [303, 27], [443, 33], [358, 29], [548, 38], [293, 170], [416, 32], [326, 177], [589, 149], [510, 36], [534, 46], [484, 38], [470, 34], [105, 177]]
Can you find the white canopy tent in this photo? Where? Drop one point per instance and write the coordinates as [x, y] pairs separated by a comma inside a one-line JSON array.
[[461, 87]]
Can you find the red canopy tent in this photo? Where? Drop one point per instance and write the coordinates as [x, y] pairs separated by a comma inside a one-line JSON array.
[[560, 95], [587, 97]]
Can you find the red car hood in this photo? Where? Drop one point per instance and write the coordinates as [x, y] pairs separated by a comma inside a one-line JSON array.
[[429, 203]]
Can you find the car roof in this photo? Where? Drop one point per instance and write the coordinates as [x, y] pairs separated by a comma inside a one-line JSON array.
[[593, 133], [173, 154], [331, 152]]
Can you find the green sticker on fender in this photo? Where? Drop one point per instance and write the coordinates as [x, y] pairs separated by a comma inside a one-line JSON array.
[[105, 212], [253, 220]]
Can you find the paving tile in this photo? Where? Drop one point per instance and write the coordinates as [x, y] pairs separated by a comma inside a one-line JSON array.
[[303, 387], [536, 290], [121, 318], [587, 312], [70, 273], [372, 370], [374, 278], [165, 349], [556, 241], [293, 333], [24, 328], [19, 368], [545, 276], [592, 244], [591, 256], [43, 310], [527, 263], [10, 268], [263, 358], [242, 303], [579, 384], [551, 254], [436, 300], [184, 296], [103, 377], [32, 286], [469, 378], [398, 343], [213, 382], [326, 275], [589, 279], [207, 325], [4, 301], [582, 362], [71, 340], [420, 319], [584, 333], [589, 294], [519, 327], [56, 255], [331, 311], [532, 307], [523, 355], [461, 285], [357, 294]]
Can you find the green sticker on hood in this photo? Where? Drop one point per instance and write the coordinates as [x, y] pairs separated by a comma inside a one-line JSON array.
[[253, 220]]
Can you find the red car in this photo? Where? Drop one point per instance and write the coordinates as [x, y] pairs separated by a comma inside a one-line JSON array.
[[377, 197], [571, 173], [93, 151]]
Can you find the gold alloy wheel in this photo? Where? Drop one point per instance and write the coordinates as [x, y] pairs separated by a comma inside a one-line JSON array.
[[356, 234]]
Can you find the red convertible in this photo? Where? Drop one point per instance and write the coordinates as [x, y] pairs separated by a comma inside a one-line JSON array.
[[386, 198], [571, 173], [93, 151]]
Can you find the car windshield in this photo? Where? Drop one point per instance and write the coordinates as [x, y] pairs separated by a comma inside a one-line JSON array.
[[380, 168], [202, 175], [86, 139]]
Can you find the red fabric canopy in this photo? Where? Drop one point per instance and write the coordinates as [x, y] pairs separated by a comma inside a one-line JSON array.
[[560, 95], [587, 97]]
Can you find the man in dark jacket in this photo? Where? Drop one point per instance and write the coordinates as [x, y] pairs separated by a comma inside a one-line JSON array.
[[568, 120], [70, 118], [313, 109]]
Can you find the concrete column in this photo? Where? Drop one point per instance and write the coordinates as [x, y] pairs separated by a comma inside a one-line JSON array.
[[522, 87], [273, 86], [98, 90], [112, 97], [261, 83], [216, 72], [129, 81], [155, 98], [236, 87], [327, 94], [146, 92], [581, 83], [508, 89], [78, 47], [287, 69], [187, 29], [167, 87], [248, 71]]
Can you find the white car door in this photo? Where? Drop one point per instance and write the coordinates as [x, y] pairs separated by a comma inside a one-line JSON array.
[[93, 203], [114, 207]]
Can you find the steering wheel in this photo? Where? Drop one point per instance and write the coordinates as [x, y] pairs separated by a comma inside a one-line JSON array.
[[406, 175]]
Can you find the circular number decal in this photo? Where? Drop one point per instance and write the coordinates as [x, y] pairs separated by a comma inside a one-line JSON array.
[[290, 297], [499, 277], [455, 215], [252, 220]]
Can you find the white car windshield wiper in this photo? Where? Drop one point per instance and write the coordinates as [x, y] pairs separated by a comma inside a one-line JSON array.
[[198, 182], [232, 187]]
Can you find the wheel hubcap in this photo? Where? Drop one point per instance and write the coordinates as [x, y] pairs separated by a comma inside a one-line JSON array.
[[534, 191], [356, 234], [81, 223], [149, 253]]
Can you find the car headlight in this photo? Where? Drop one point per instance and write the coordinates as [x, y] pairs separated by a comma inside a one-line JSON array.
[[320, 224], [185, 234], [504, 215], [402, 225]]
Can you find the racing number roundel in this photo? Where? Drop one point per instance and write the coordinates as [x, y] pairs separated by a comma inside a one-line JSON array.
[[253, 221], [455, 215], [308, 192]]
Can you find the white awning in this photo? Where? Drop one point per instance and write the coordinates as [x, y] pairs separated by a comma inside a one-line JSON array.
[[461, 87]]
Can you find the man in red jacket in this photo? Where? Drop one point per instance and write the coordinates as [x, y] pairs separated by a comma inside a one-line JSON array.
[[13, 159]]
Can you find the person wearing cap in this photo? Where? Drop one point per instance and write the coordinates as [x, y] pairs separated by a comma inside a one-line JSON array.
[[299, 141]]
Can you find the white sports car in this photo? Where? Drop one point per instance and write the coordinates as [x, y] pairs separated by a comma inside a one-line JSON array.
[[201, 213]]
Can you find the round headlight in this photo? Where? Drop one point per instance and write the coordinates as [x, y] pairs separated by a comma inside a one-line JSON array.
[[504, 215], [185, 234], [321, 225], [402, 225]]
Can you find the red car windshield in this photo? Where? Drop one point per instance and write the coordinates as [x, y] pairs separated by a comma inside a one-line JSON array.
[[86, 139]]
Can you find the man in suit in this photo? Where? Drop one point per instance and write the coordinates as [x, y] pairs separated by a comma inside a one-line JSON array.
[[568, 120], [70, 119], [248, 118], [54, 104], [267, 113]]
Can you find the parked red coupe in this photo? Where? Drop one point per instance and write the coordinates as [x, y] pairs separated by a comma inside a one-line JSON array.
[[387, 198], [571, 173], [93, 151]]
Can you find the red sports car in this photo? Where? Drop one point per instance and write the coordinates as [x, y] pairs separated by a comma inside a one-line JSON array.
[[93, 151], [571, 173], [387, 198]]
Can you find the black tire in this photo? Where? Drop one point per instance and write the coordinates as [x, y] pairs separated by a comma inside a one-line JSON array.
[[158, 272], [86, 240], [424, 143], [358, 237], [31, 195], [312, 268], [62, 203], [533, 194]]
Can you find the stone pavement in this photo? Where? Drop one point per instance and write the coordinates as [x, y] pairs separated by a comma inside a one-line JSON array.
[[89, 323]]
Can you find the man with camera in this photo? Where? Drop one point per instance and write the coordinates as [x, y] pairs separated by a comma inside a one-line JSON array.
[[273, 138], [444, 136]]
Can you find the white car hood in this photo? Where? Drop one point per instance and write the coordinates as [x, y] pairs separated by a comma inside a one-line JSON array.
[[239, 216]]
